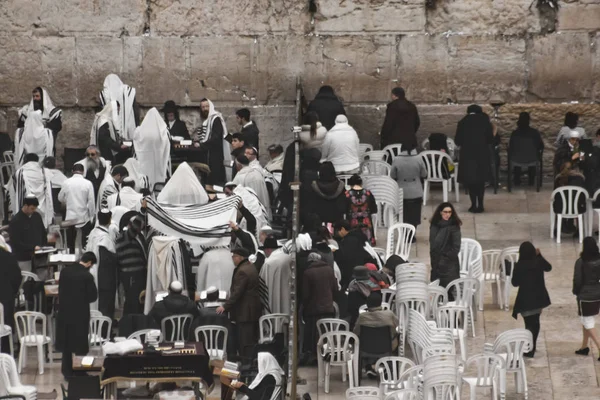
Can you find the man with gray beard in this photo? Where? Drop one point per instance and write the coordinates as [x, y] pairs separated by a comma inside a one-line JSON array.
[[94, 167]]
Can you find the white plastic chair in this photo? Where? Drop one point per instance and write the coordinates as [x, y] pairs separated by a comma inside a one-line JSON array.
[[364, 308], [343, 349], [9, 156], [344, 178], [441, 378], [510, 255], [215, 340], [404, 394], [363, 392], [179, 324], [375, 167], [465, 289], [410, 296], [438, 297], [390, 369], [6, 330], [590, 211], [37, 298], [10, 384], [271, 324], [411, 272], [388, 196], [98, 326], [326, 325], [510, 346], [364, 148], [570, 196], [488, 367], [392, 151], [31, 336], [455, 319], [140, 335], [469, 255], [449, 142], [399, 240], [388, 296], [376, 155], [492, 272], [434, 161]]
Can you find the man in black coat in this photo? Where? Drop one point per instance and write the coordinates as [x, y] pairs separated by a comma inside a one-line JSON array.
[[176, 126], [327, 106], [474, 135], [249, 129], [10, 280], [401, 121], [174, 303], [351, 252], [27, 232], [76, 290]]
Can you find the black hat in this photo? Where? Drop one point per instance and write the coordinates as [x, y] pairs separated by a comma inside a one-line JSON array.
[[270, 243], [169, 106], [360, 273], [240, 251]]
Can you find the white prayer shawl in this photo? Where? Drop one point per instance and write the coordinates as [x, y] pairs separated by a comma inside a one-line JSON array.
[[126, 197], [276, 274], [341, 146], [99, 237], [268, 365], [33, 138], [110, 115], [152, 145], [253, 179], [32, 179], [268, 177], [207, 129], [275, 164], [183, 188], [215, 269], [135, 172], [47, 105], [251, 201], [57, 178], [115, 90], [108, 187], [103, 162], [204, 225], [117, 213], [165, 265]]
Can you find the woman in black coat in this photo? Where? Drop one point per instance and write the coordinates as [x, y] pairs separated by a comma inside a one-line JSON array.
[[586, 286], [532, 296], [474, 135], [327, 196], [10, 280], [444, 244]]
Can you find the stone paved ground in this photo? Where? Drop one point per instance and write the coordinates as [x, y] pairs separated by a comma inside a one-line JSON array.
[[510, 218]]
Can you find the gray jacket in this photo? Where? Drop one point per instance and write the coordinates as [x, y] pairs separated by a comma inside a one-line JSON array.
[[408, 171]]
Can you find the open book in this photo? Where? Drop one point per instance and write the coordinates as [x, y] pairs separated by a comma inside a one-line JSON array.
[[62, 258]]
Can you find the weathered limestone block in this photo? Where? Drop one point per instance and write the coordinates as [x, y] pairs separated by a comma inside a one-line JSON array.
[[164, 72], [359, 68], [560, 66], [580, 17], [205, 17], [73, 17], [485, 68], [58, 62], [596, 70], [278, 60], [132, 72], [422, 67], [478, 17], [20, 69], [357, 16], [221, 68], [77, 125]]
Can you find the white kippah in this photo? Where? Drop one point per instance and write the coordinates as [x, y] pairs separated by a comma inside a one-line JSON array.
[[128, 179], [266, 228], [176, 287], [574, 134], [105, 211]]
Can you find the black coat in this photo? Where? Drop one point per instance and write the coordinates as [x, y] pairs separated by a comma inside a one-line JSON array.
[[107, 282], [444, 246], [179, 129], [327, 200], [173, 304], [401, 123], [76, 290], [528, 276], [531, 138], [25, 233], [474, 135], [351, 254], [318, 289], [10, 280], [327, 106], [213, 155], [586, 280], [250, 135]]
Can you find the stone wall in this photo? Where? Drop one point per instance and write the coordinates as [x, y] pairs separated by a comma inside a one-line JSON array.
[[445, 53]]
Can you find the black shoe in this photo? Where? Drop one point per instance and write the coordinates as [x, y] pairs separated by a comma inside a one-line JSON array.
[[529, 354], [479, 210], [473, 209], [583, 352]]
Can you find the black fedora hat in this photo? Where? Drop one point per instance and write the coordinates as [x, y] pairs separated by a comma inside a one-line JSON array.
[[169, 106], [270, 243]]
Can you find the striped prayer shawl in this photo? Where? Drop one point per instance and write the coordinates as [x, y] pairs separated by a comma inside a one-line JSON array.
[[204, 225], [263, 292]]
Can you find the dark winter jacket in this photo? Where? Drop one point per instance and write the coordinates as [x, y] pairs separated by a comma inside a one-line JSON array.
[[10, 280], [250, 135], [327, 106], [328, 200], [474, 135], [586, 280], [318, 288], [444, 242], [173, 304], [244, 303], [351, 254], [401, 123], [528, 276]]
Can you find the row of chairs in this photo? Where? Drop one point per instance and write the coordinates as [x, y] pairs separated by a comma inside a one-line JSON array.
[[576, 204]]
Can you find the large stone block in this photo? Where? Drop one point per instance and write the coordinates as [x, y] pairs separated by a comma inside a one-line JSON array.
[[221, 68], [278, 60], [359, 68], [164, 73], [58, 66], [73, 17], [96, 58], [20, 69], [422, 67], [77, 124], [560, 66], [358, 16], [596, 71], [482, 69], [508, 17], [205, 17], [579, 17], [132, 72]]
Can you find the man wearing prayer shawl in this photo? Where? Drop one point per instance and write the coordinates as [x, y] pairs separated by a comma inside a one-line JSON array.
[[110, 185], [215, 269], [31, 178], [105, 132], [253, 179], [94, 167], [275, 275], [183, 188], [33, 138], [102, 244], [211, 137], [126, 196], [152, 145], [51, 116], [115, 90]]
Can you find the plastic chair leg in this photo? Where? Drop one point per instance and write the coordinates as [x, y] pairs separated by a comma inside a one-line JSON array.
[[558, 228], [456, 187], [327, 373], [445, 190], [481, 295], [580, 223], [552, 218], [40, 356]]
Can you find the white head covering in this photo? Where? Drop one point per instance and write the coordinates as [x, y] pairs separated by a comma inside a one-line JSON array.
[[115, 90], [109, 114], [113, 87], [4, 245], [208, 123], [267, 365], [34, 139], [574, 134], [183, 188], [153, 148], [176, 287], [47, 105], [341, 119]]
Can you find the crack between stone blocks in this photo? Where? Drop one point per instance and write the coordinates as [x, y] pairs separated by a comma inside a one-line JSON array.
[[147, 16]]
